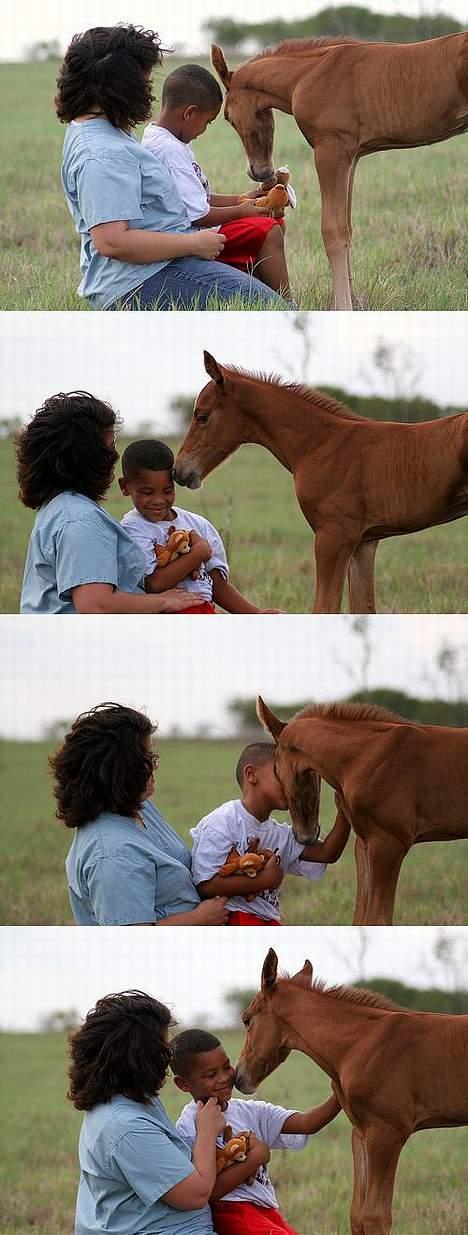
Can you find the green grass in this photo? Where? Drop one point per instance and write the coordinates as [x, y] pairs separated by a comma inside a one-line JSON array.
[[410, 210], [39, 1132], [251, 501], [193, 778]]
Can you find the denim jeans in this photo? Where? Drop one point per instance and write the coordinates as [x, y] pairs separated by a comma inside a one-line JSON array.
[[190, 282]]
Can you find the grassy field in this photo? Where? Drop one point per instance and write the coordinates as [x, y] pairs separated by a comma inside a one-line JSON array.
[[40, 1129], [251, 501], [194, 776], [410, 210]]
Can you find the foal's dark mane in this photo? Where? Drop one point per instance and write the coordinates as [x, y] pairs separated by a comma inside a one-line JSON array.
[[352, 994], [350, 711], [302, 47], [297, 389]]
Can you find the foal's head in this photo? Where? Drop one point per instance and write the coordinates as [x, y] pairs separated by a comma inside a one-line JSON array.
[[250, 114], [300, 782], [267, 1036], [215, 430]]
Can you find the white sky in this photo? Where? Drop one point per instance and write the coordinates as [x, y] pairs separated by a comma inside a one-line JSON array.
[[46, 968], [185, 673], [26, 21], [140, 361]]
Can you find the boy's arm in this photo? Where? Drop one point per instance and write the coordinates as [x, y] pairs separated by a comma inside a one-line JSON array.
[[314, 1120], [243, 885], [227, 214], [228, 597], [165, 577], [238, 1172], [330, 849]]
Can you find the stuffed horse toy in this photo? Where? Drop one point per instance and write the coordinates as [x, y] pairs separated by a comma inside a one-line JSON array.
[[277, 194], [248, 863]]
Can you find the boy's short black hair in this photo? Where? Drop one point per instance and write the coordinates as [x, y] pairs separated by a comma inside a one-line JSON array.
[[105, 69], [258, 753], [147, 454], [187, 1044], [191, 85]]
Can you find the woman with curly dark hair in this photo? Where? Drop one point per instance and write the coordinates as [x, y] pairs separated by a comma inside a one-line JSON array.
[[138, 1176], [79, 559], [138, 248], [126, 865]]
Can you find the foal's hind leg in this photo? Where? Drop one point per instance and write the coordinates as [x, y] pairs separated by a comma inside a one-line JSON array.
[[362, 882], [360, 1182], [334, 170], [361, 578], [384, 1146], [385, 856]]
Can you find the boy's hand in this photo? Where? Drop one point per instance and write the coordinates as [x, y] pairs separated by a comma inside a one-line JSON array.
[[209, 1118], [208, 244], [255, 212], [259, 1153], [272, 874]]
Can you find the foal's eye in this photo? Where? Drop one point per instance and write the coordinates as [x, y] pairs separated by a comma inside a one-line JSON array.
[[201, 420]]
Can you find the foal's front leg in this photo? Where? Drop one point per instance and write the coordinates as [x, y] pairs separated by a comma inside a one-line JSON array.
[[383, 1149], [332, 559], [335, 170], [385, 855], [360, 1182], [361, 578]]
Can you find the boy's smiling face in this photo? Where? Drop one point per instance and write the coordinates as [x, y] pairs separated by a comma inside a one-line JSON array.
[[152, 494], [209, 1075]]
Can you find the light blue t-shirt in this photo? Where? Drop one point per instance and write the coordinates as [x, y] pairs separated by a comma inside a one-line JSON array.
[[74, 541], [120, 873], [108, 177], [130, 1156]]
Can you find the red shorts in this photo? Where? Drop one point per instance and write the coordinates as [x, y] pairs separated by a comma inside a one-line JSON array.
[[205, 607], [244, 239], [237, 917], [242, 1218]]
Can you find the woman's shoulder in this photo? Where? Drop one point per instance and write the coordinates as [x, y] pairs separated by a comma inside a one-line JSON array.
[[70, 507]]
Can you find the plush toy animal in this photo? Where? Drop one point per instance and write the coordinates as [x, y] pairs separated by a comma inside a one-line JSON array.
[[176, 545], [235, 1149], [277, 193], [248, 863]]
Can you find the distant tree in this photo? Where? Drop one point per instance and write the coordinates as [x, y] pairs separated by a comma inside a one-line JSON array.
[[238, 1000], [181, 407], [44, 49], [435, 711], [55, 730], [59, 1021], [353, 20], [9, 425]]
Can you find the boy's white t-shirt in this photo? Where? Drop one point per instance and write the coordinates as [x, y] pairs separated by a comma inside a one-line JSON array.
[[231, 826], [179, 158], [266, 1122], [146, 533]]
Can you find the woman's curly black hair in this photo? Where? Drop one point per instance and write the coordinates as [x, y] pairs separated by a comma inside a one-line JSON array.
[[63, 448], [104, 764], [106, 70], [121, 1048]]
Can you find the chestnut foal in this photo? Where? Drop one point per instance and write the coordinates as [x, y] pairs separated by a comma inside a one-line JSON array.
[[349, 98], [394, 1072], [397, 783], [357, 481]]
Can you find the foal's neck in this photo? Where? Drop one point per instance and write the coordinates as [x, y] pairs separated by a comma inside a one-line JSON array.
[[283, 421], [319, 1026], [275, 76]]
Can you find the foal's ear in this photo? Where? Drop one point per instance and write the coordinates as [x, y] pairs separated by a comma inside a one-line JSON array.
[[269, 972], [304, 977], [268, 719], [212, 368], [219, 63]]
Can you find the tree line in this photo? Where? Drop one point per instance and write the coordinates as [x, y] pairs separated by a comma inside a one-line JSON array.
[[433, 711], [343, 19]]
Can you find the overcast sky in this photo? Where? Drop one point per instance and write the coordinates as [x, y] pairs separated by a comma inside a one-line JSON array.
[[139, 361], [26, 21], [185, 673], [47, 968]]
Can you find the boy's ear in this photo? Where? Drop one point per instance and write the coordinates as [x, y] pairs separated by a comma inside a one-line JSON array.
[[219, 63], [188, 111], [123, 486], [181, 1084]]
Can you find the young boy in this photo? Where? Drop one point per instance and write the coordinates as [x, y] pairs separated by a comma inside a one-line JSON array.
[[236, 823], [147, 467], [191, 100], [243, 1198]]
